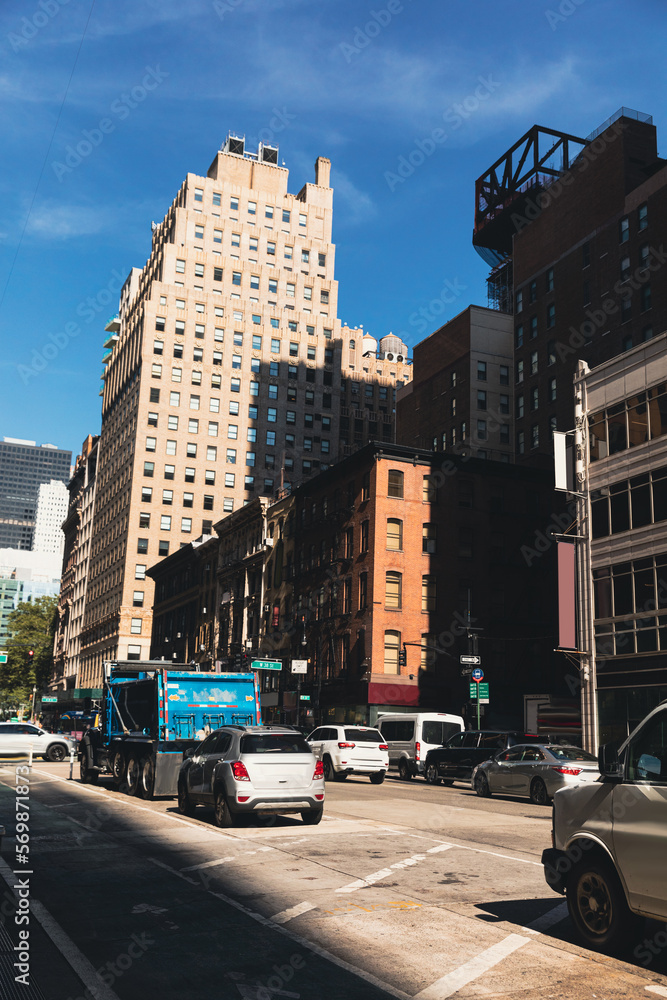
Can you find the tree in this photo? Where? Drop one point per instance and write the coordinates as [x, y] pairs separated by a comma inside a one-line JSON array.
[[31, 628]]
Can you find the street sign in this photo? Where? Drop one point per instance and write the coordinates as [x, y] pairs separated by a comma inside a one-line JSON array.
[[305, 697], [267, 665], [477, 674], [299, 666], [3, 657], [481, 689], [48, 697], [466, 672], [474, 660]]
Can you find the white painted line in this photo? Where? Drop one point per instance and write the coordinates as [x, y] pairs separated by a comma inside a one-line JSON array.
[[293, 911], [77, 960], [548, 919], [363, 883], [208, 864], [438, 848], [298, 938], [661, 991], [476, 967]]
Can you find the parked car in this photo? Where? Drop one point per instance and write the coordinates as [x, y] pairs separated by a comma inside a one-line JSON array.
[[411, 735], [23, 736], [610, 839], [347, 750], [536, 770], [462, 752], [245, 770]]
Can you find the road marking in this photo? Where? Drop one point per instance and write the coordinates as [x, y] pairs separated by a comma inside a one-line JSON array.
[[293, 911], [659, 990], [476, 967], [208, 864], [298, 938], [363, 883], [76, 959], [548, 919]]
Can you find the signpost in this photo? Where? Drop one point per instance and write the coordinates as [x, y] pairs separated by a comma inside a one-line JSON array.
[[481, 691], [475, 689], [267, 665], [473, 660], [3, 655], [48, 697], [299, 666]]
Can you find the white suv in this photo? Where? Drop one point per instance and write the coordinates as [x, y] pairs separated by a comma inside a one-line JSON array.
[[351, 750], [610, 839], [22, 736]]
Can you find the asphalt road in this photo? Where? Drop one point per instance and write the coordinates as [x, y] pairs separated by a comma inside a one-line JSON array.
[[403, 890]]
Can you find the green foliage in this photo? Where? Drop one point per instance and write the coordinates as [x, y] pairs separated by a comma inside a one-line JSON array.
[[31, 626]]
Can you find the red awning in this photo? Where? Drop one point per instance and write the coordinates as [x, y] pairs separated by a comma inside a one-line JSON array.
[[393, 694]]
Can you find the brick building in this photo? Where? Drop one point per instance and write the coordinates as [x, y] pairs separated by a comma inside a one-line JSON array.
[[573, 228]]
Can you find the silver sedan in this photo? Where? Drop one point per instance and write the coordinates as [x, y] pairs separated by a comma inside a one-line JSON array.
[[535, 770]]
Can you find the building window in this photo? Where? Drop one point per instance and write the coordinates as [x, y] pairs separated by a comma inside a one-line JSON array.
[[624, 230], [135, 626], [428, 489], [504, 375], [519, 372], [189, 474], [504, 404], [394, 534], [642, 217], [533, 327], [550, 279], [428, 593], [481, 430], [533, 363], [138, 599], [520, 443], [532, 291], [534, 398], [551, 315], [163, 549], [481, 399], [552, 390], [146, 494], [186, 524], [520, 403], [142, 545], [156, 372], [645, 298], [519, 302], [395, 484], [429, 534], [465, 540], [392, 641], [481, 371], [363, 591], [140, 571], [535, 436], [393, 590], [149, 468], [167, 497], [231, 456]]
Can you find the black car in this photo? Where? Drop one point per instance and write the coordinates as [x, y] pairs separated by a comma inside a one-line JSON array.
[[456, 759]]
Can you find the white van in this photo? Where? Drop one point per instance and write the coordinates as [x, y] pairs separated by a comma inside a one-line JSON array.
[[410, 736]]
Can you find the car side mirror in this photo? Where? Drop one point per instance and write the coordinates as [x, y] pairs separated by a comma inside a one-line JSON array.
[[190, 752], [608, 763], [41, 732]]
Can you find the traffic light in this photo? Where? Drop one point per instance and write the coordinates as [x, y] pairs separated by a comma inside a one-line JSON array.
[[31, 656], [402, 657], [245, 661]]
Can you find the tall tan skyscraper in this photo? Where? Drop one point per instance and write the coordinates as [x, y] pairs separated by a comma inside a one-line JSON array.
[[223, 379]]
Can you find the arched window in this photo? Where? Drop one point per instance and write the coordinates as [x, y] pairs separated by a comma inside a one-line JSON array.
[[392, 642], [395, 484], [393, 588], [394, 534]]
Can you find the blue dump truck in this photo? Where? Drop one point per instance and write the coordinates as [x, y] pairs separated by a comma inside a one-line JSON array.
[[153, 712]]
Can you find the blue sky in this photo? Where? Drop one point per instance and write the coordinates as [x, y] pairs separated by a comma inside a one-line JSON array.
[[362, 83]]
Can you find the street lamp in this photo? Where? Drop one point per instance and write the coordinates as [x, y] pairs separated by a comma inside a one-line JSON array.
[[32, 712]]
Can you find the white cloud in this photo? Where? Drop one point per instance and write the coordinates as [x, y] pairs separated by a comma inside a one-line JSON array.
[[60, 222], [357, 206]]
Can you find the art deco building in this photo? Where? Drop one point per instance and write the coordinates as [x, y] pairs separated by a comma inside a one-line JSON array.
[[222, 381]]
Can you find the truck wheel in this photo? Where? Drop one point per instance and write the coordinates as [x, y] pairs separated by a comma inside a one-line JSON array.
[[147, 778], [403, 770], [597, 906], [132, 776], [221, 812], [118, 768], [88, 776], [431, 774]]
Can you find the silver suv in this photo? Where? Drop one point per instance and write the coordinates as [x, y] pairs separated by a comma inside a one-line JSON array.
[[21, 737], [252, 769], [610, 839]]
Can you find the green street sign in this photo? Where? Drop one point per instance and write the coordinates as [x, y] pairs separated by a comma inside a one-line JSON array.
[[483, 692], [305, 697], [48, 697], [3, 657], [267, 665]]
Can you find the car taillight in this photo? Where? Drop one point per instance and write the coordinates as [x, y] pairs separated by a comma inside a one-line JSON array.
[[567, 770], [319, 770], [343, 746], [417, 751], [384, 746], [239, 771]]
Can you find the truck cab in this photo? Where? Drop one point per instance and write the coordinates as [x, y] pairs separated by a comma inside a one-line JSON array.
[[610, 839]]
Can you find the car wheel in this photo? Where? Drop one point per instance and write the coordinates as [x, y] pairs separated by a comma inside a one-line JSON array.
[[147, 778], [221, 811], [329, 772], [403, 770], [312, 817], [56, 752], [538, 792], [431, 775], [378, 777], [132, 775], [597, 906], [185, 805], [118, 768], [482, 786]]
